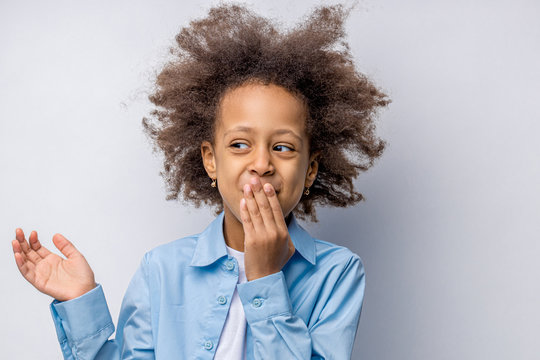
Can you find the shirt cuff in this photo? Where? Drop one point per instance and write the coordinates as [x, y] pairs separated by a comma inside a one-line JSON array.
[[81, 317], [265, 297]]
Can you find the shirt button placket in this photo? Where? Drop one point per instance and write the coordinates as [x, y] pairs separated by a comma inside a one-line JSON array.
[[257, 302], [229, 265]]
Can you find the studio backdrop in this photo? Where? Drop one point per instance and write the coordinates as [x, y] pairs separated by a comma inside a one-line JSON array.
[[449, 231]]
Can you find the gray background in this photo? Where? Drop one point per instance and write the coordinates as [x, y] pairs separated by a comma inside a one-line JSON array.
[[449, 233]]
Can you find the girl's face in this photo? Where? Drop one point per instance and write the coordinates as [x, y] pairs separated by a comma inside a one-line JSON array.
[[260, 133]]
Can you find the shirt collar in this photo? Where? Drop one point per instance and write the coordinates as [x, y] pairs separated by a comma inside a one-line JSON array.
[[211, 243]]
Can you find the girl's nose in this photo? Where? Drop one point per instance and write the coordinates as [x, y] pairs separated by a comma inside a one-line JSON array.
[[261, 163]]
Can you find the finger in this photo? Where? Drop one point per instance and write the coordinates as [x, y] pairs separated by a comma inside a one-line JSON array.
[[25, 249], [246, 219], [65, 246], [262, 203], [19, 235], [36, 245], [278, 214], [19, 260], [16, 247], [253, 208], [25, 267], [18, 251], [279, 218]]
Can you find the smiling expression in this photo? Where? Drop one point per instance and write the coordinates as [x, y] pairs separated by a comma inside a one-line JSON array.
[[260, 132]]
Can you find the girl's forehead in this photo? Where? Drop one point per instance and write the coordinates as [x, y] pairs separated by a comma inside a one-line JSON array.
[[261, 106]]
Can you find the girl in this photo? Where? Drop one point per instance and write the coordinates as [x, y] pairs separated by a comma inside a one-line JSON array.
[[282, 121]]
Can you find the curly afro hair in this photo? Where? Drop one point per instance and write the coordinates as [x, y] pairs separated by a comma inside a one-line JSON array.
[[233, 46]]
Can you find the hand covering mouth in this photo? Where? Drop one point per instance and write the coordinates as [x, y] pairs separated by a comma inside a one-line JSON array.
[[275, 189]]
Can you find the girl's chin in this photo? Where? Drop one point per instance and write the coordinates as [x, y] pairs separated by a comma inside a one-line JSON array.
[[232, 214]]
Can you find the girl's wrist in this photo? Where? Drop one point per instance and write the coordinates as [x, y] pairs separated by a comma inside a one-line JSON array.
[[78, 292]]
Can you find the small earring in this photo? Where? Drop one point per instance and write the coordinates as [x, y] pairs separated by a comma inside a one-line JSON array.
[[306, 192], [213, 184]]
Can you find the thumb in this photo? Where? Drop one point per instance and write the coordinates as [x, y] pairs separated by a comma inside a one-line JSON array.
[[64, 245]]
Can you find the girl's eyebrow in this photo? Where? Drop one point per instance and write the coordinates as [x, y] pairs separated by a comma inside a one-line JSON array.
[[276, 132]]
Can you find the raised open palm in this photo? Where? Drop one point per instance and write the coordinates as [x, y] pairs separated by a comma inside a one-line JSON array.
[[63, 279]]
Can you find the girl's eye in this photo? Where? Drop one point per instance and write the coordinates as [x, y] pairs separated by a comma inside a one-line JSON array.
[[282, 148], [239, 145]]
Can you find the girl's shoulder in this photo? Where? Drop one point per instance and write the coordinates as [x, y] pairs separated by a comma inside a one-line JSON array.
[[335, 255], [177, 251]]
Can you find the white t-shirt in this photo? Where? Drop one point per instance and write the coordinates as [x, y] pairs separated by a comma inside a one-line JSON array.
[[232, 343]]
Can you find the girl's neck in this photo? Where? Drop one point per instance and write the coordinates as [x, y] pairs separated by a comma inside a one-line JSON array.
[[233, 232]]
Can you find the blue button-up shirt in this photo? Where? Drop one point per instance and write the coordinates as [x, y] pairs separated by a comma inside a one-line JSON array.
[[177, 302]]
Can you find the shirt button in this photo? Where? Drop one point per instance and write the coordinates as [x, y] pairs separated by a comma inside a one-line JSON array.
[[208, 345], [229, 265], [257, 302], [222, 300]]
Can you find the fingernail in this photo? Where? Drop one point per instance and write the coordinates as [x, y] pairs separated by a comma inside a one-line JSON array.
[[268, 189]]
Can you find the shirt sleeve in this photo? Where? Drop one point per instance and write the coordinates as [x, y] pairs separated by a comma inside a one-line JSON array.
[[84, 324], [279, 334]]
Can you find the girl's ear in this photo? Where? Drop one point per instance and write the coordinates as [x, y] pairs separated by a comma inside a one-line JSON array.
[[208, 158], [313, 167]]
